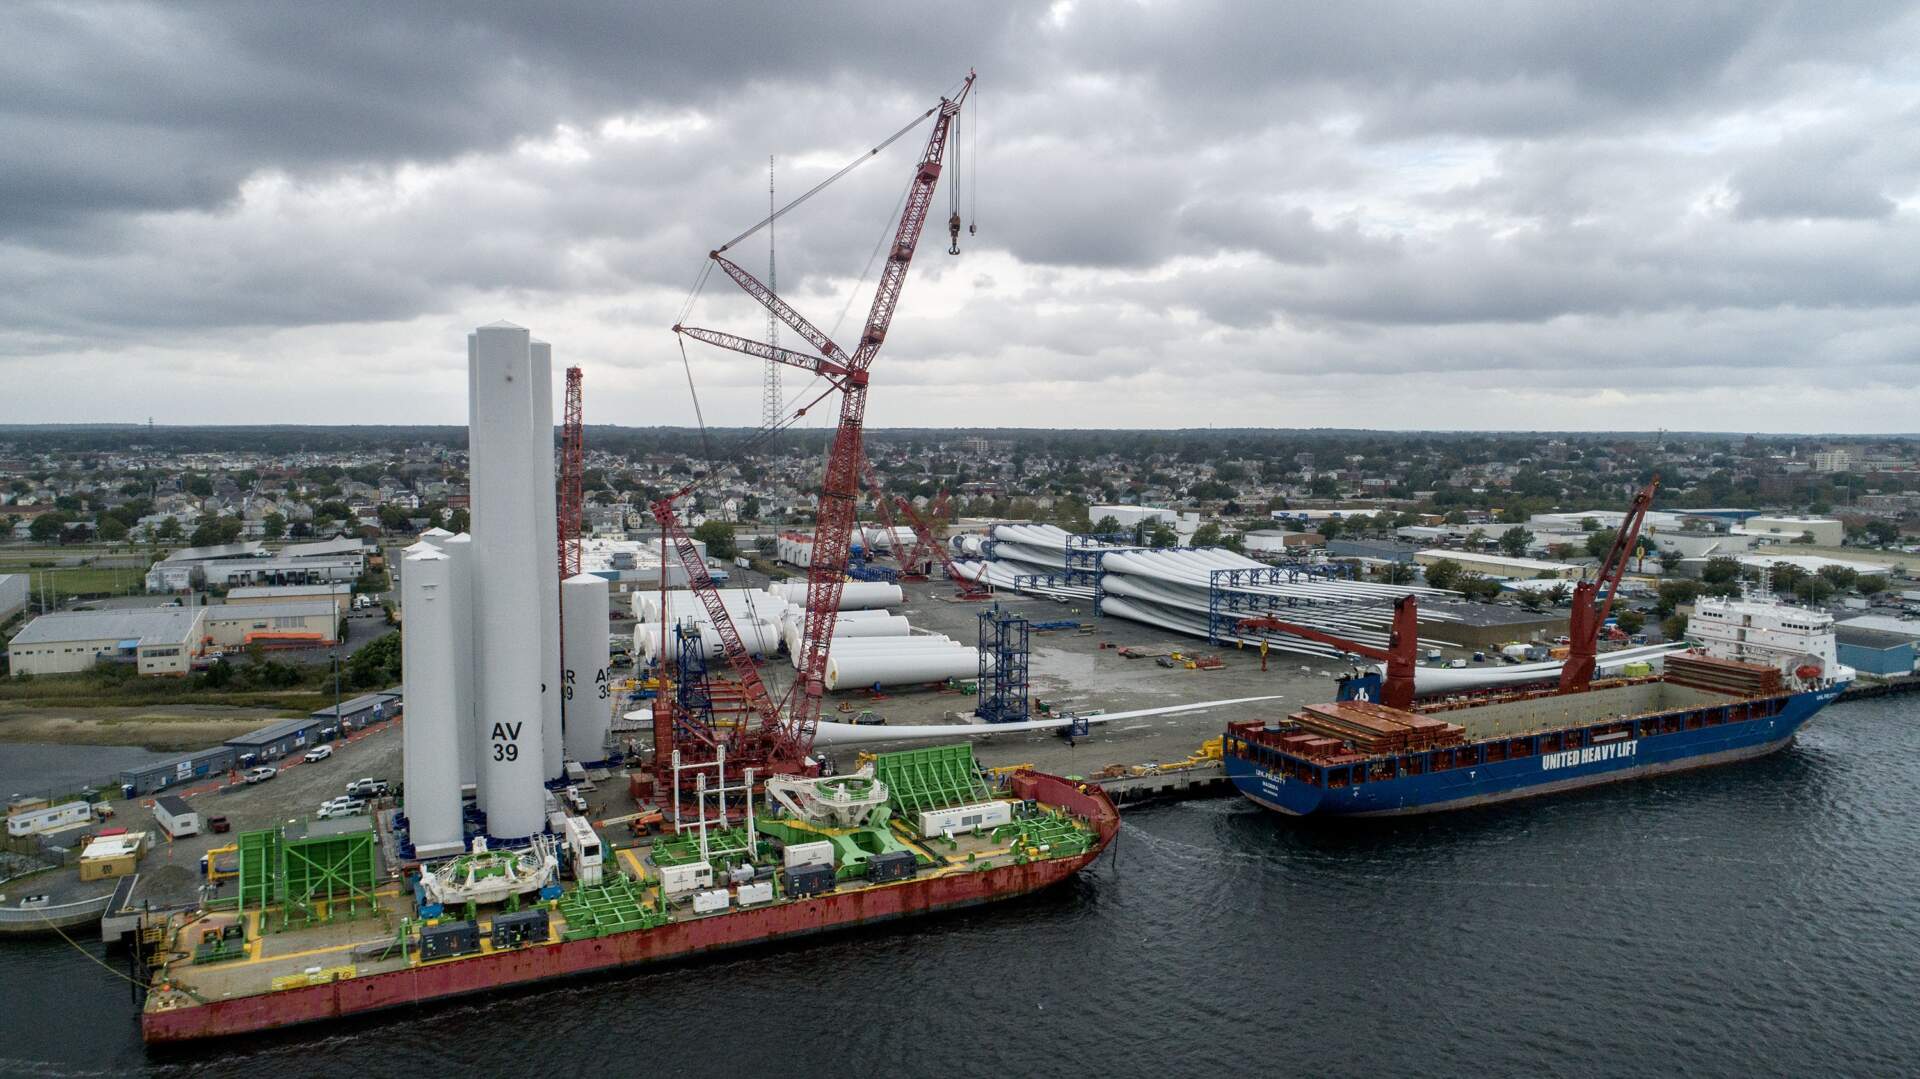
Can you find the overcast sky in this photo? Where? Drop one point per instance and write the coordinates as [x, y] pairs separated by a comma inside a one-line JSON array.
[[1528, 215]]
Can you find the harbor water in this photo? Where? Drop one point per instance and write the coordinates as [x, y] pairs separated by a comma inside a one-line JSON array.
[[1753, 919]]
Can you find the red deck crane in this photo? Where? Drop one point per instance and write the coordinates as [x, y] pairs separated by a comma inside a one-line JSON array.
[[572, 473], [1589, 612], [1400, 655], [792, 734]]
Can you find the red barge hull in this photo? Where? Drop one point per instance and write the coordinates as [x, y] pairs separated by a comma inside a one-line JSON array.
[[450, 978]]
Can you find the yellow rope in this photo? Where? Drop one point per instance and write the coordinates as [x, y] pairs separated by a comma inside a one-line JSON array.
[[76, 947]]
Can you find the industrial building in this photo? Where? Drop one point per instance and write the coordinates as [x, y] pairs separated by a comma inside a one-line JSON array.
[[1823, 531], [273, 625], [361, 711], [1493, 565], [1277, 540], [160, 640], [231, 565], [1487, 626], [340, 595], [185, 569], [175, 771], [1874, 651], [13, 594], [276, 740]]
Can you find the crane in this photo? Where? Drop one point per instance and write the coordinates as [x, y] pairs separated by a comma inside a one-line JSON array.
[[1589, 611], [1400, 655], [790, 731], [926, 547], [572, 472]]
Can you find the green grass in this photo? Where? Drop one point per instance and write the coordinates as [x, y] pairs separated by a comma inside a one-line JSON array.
[[104, 689], [87, 579]]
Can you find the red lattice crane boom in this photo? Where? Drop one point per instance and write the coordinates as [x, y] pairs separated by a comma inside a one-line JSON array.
[[1400, 655], [1589, 612], [793, 733], [573, 448]]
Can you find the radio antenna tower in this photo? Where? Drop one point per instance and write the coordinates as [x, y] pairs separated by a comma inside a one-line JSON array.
[[771, 408]]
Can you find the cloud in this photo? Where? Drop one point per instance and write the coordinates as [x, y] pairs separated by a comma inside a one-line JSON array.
[[1351, 214]]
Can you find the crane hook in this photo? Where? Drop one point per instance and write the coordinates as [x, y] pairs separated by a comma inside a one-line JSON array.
[[953, 230]]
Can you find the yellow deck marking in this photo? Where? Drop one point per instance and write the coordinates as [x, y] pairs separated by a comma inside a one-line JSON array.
[[633, 862]]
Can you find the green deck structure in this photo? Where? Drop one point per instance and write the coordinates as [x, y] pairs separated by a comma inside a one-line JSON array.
[[725, 847], [617, 906], [299, 867], [932, 778], [1056, 834]]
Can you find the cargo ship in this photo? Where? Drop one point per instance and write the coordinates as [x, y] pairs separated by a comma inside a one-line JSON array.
[[319, 931], [1761, 670]]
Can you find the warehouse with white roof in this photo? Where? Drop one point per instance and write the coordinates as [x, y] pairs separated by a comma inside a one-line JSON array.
[[160, 640]]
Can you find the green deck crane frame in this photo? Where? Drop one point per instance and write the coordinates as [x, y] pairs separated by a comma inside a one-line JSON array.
[[299, 868]]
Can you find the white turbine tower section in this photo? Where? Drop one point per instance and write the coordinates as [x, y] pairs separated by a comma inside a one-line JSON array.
[[510, 558], [459, 552], [587, 688], [431, 734], [546, 508]]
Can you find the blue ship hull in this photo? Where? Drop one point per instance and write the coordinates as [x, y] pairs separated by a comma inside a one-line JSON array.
[[1354, 791]]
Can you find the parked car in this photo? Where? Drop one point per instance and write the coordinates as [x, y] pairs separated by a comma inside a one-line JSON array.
[[367, 787], [318, 753], [219, 823], [260, 774], [342, 807]]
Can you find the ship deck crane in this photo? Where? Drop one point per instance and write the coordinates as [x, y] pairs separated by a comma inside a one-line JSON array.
[[1400, 655], [791, 730], [1589, 612]]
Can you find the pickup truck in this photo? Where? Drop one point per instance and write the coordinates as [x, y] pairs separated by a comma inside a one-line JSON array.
[[342, 807], [367, 787]]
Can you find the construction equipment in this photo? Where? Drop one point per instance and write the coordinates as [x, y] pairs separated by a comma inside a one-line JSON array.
[[1399, 655], [917, 563], [783, 739], [572, 470], [1589, 611]]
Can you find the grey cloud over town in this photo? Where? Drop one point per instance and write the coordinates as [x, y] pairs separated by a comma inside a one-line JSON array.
[[1695, 216]]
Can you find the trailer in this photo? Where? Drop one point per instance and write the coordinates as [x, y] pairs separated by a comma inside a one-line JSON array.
[[176, 817]]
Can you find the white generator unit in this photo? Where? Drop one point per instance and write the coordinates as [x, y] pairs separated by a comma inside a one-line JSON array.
[[710, 902], [584, 848], [965, 818], [677, 880], [799, 854], [761, 892]]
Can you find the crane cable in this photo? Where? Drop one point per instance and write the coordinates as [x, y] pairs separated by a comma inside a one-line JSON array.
[[822, 185], [887, 229]]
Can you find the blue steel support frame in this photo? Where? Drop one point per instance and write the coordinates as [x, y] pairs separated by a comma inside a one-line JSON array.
[[1227, 603], [1004, 650], [693, 713]]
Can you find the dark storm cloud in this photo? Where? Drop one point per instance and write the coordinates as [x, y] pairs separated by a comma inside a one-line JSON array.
[[1233, 190]]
